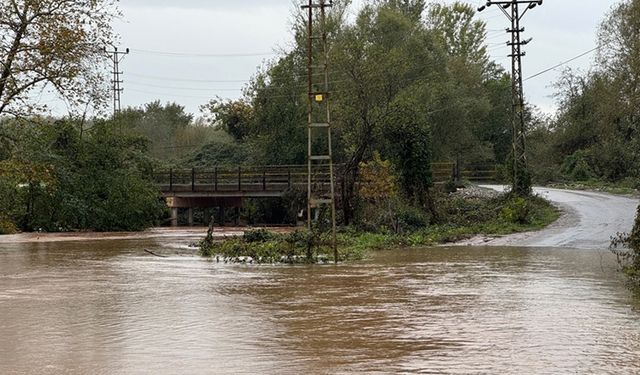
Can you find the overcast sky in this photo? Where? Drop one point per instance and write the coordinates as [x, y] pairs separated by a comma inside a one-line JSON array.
[[189, 51]]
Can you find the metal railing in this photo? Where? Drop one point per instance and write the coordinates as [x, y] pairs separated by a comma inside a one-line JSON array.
[[278, 178]]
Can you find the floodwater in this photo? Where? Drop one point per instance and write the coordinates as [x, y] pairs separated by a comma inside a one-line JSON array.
[[107, 307]]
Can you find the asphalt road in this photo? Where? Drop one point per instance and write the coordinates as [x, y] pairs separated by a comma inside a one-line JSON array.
[[589, 220]]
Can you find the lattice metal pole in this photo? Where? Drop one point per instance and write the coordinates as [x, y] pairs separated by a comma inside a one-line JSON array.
[[319, 119], [116, 57], [521, 176]]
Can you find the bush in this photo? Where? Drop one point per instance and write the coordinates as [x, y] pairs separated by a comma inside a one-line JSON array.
[[457, 210], [629, 256], [258, 235], [517, 211], [7, 227], [411, 218]]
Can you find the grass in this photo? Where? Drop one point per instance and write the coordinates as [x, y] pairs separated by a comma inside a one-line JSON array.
[[624, 187], [465, 218]]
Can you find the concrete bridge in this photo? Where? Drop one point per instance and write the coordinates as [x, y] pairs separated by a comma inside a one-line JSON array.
[[225, 187]]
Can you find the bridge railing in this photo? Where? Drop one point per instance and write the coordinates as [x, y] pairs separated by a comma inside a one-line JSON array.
[[480, 172], [236, 178], [278, 178]]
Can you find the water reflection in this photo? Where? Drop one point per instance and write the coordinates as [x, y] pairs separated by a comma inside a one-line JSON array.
[[108, 307]]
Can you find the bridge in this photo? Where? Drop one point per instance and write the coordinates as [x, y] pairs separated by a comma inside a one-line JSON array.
[[227, 186]]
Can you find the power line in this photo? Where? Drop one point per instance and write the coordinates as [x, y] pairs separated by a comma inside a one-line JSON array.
[[171, 95], [182, 88], [298, 86], [189, 79], [190, 54], [561, 64]]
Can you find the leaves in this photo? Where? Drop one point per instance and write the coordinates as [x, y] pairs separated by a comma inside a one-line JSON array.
[[55, 44], [56, 180]]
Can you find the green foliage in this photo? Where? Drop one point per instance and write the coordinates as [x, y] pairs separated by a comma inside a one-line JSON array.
[[466, 218], [596, 134], [222, 150], [234, 116], [627, 249], [170, 131], [53, 45], [261, 246], [411, 218], [462, 211], [418, 76], [7, 226], [258, 235], [411, 152], [578, 166], [65, 180], [516, 211]]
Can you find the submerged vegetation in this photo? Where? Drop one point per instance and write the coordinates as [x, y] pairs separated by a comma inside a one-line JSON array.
[[465, 217]]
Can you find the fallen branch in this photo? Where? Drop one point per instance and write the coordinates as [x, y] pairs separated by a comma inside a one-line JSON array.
[[154, 254]]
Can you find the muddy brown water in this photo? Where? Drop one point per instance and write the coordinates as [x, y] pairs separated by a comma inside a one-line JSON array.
[[107, 307]]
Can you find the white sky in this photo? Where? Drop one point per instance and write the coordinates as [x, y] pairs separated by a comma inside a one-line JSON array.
[[215, 46]]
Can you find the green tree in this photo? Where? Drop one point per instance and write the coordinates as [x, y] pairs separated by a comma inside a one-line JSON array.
[[234, 116], [102, 181], [164, 125]]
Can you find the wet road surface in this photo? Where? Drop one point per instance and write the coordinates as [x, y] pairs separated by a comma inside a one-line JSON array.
[[589, 220]]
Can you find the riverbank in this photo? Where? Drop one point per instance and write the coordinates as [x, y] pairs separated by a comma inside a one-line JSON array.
[[475, 217], [467, 214]]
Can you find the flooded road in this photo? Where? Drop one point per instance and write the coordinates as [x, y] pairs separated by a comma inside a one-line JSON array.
[[107, 307]]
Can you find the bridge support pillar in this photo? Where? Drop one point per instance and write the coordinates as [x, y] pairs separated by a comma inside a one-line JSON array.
[[174, 216], [190, 216], [221, 216]]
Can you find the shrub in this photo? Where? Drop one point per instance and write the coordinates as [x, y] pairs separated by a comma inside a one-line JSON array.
[[411, 218], [517, 211], [7, 227], [629, 256], [258, 235]]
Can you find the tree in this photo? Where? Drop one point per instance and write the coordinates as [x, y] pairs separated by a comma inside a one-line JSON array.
[[164, 125], [234, 116], [52, 43], [411, 152], [60, 181], [463, 93], [459, 33], [619, 56]]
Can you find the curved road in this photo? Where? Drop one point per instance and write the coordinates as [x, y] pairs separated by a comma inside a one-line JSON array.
[[589, 220]]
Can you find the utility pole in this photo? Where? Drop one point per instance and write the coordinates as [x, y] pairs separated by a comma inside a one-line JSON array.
[[319, 148], [116, 57], [521, 176]]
